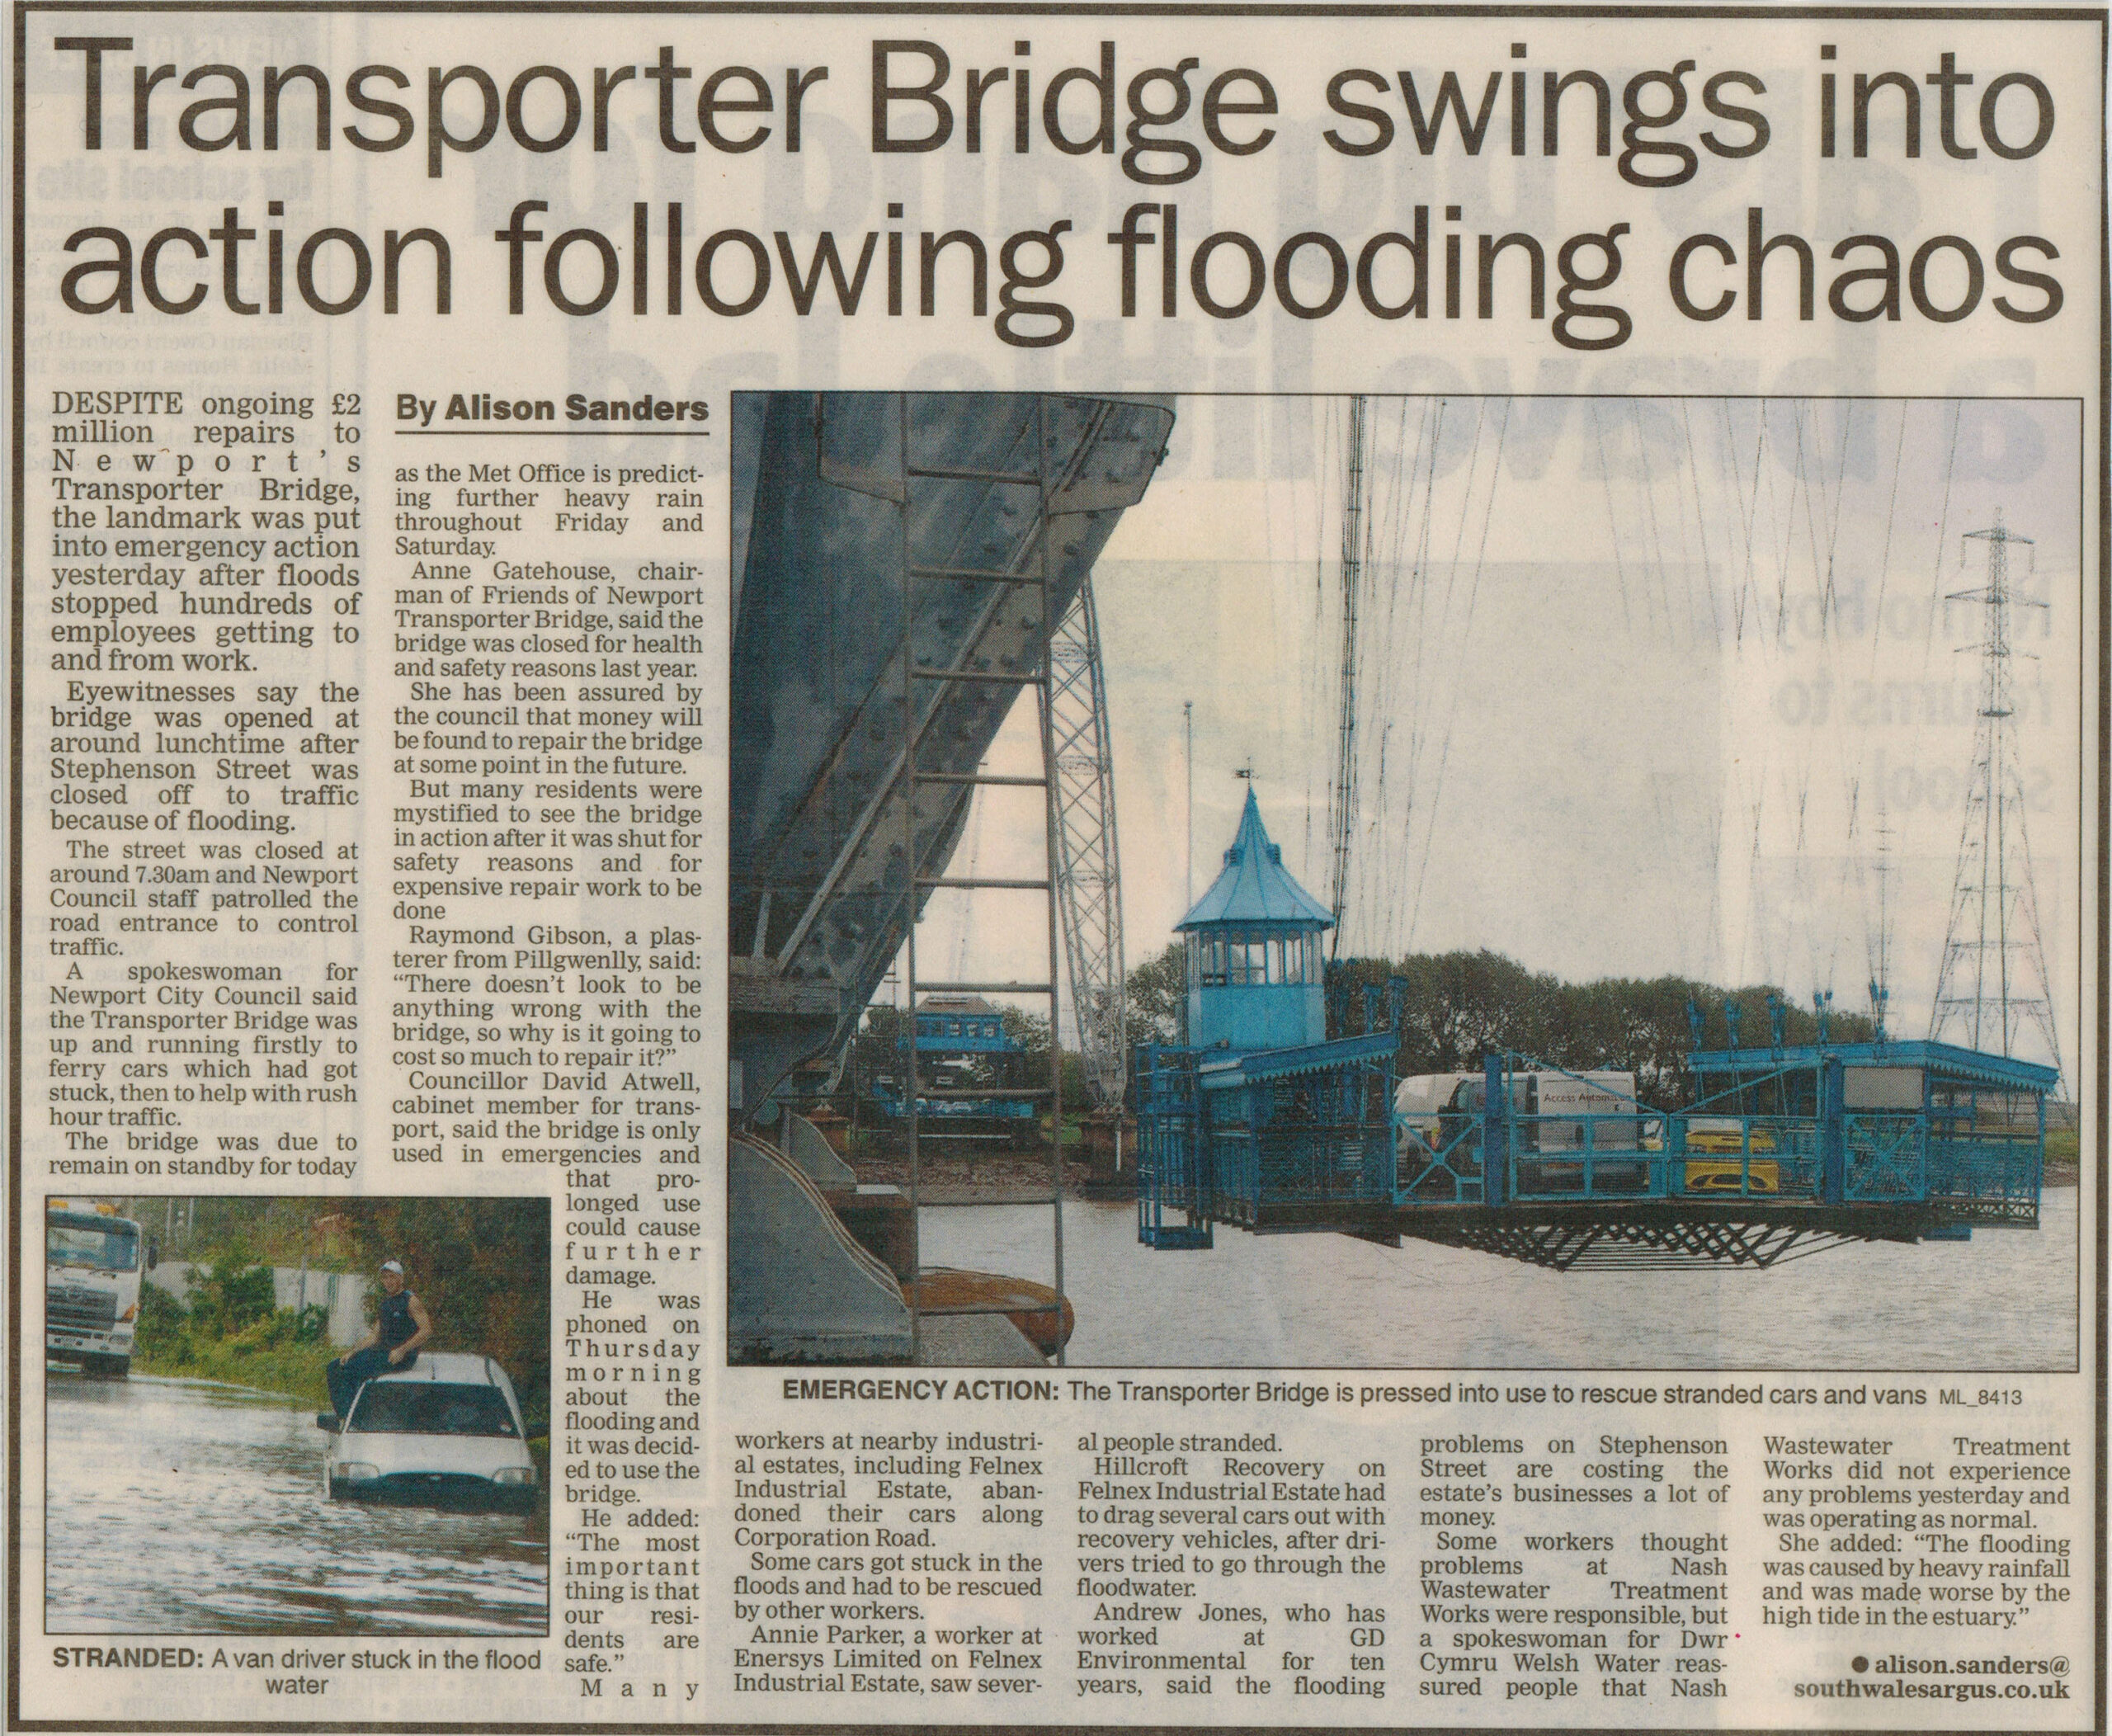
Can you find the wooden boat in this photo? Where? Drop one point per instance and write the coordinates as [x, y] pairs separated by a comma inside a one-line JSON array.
[[1031, 1307]]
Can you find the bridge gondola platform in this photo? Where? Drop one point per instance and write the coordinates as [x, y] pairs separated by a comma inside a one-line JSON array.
[[1803, 1151]]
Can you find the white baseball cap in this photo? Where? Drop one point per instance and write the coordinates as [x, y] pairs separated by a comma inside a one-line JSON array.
[[394, 1266]]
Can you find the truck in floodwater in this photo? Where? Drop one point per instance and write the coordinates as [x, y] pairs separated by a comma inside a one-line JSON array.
[[94, 1261]]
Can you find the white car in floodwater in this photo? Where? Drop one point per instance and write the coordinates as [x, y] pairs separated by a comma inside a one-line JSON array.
[[447, 1431]]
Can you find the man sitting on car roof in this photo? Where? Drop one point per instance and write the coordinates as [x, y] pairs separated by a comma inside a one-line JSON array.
[[400, 1327]]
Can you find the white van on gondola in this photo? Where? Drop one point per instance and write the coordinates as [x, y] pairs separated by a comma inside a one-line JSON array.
[[447, 1431], [1553, 1112]]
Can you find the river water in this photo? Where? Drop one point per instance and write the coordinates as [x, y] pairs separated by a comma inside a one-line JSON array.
[[181, 1507], [2004, 1301]]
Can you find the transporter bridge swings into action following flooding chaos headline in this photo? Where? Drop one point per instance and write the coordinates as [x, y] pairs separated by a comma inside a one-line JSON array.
[[1260, 1124]]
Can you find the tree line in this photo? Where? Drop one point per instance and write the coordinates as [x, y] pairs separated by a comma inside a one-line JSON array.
[[1454, 1007], [481, 1266]]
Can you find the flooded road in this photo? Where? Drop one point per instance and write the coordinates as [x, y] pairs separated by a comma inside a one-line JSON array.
[[2006, 1301], [179, 1506]]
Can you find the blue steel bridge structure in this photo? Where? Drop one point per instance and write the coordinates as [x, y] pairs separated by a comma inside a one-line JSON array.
[[905, 565], [976, 1069], [908, 567], [1260, 1123]]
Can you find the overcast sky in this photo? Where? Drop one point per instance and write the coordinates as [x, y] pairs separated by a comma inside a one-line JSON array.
[[1642, 682]]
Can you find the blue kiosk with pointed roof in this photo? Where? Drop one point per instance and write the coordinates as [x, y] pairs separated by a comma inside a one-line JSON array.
[[1254, 965], [1259, 1121]]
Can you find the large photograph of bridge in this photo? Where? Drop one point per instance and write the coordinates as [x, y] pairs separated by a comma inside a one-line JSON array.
[[1405, 880]]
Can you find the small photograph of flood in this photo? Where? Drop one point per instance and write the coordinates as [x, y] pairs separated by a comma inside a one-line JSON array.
[[296, 1416]]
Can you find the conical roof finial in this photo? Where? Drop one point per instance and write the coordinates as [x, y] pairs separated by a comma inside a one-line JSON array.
[[1254, 886]]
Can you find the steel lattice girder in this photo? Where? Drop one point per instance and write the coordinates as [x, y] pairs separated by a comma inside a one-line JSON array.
[[1994, 915], [1616, 1243], [1089, 862]]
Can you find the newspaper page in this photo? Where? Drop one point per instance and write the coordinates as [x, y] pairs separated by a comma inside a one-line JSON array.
[[1146, 865]]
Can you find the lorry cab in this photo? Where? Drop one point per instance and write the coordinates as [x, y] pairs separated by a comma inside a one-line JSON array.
[[94, 1261]]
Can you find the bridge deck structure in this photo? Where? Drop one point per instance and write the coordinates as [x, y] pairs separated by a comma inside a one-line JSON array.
[[1784, 1153]]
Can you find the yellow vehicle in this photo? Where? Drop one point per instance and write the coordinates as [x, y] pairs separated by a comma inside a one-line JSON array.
[[1721, 1175], [1725, 1173], [1729, 1172]]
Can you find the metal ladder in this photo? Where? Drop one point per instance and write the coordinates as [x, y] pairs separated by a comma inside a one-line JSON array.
[[917, 681]]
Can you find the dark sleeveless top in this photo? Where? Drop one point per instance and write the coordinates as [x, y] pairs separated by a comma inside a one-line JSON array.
[[396, 1324]]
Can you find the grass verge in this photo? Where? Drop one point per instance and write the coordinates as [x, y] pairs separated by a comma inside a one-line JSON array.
[[295, 1370]]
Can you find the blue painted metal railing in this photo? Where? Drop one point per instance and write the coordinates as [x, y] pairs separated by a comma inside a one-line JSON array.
[[2009, 1167], [1169, 1152], [1299, 1142], [1887, 1158], [1628, 1157], [1838, 1156], [1447, 1170], [1264, 1141], [1301, 1147]]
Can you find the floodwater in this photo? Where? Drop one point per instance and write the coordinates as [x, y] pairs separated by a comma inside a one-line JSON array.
[[182, 1506], [2006, 1301]]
